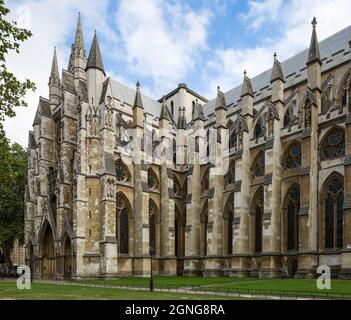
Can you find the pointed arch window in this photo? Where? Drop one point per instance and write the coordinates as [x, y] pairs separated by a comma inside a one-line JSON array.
[[259, 165], [333, 213], [122, 229], [293, 207], [292, 157], [333, 145]]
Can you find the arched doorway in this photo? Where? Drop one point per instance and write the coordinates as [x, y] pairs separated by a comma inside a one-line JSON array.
[[67, 258], [48, 253]]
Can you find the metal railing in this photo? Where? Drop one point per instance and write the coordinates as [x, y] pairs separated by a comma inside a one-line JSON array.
[[253, 293]]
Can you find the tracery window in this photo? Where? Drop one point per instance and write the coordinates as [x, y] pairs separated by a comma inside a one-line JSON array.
[[333, 145], [151, 180], [258, 166], [121, 173], [293, 156], [293, 207], [333, 213]]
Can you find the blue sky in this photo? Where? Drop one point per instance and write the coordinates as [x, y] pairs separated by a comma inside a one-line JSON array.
[[204, 43]]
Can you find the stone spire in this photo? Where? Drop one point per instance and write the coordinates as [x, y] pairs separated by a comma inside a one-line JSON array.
[[95, 60], [164, 111], [313, 53], [79, 41], [138, 102], [198, 112], [54, 75], [181, 119], [220, 100], [277, 72], [246, 89], [54, 82]]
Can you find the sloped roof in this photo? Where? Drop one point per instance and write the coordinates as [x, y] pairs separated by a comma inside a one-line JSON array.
[[333, 51], [127, 95]]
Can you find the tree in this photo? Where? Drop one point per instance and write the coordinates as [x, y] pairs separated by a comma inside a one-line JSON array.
[[12, 91], [13, 174], [13, 158]]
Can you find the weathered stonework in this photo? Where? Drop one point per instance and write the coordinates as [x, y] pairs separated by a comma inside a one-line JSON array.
[[115, 178]]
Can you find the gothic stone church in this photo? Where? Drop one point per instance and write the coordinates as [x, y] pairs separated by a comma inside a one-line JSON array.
[[111, 184]]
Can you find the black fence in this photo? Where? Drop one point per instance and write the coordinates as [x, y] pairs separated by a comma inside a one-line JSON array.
[[219, 292]]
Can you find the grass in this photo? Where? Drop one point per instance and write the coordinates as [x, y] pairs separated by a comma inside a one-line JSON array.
[[302, 287], [9, 291]]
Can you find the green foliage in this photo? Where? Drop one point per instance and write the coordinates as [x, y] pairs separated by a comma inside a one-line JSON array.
[[12, 90], [13, 174]]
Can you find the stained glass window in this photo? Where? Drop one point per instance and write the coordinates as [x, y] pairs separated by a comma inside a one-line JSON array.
[[293, 156], [334, 145]]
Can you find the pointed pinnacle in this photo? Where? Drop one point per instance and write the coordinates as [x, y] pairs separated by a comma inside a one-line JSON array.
[[95, 60], [54, 67], [79, 41]]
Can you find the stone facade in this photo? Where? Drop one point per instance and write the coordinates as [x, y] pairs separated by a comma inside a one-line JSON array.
[[256, 182]]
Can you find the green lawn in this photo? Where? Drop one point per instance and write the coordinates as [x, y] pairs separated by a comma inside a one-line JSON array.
[[291, 286], [306, 287], [9, 291]]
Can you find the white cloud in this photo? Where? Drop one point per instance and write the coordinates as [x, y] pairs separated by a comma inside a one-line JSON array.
[[261, 11], [294, 35], [161, 40], [52, 23]]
